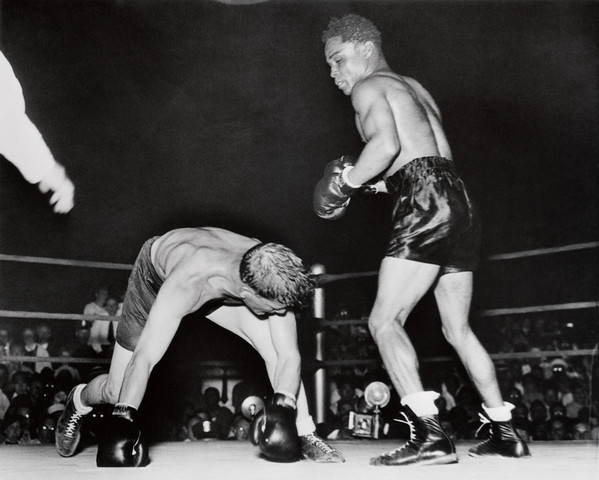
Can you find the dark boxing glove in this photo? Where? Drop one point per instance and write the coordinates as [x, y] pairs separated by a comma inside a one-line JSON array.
[[122, 444], [273, 430], [332, 193]]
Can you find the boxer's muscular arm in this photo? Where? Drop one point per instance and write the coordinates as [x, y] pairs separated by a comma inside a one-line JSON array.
[[283, 332], [176, 298], [379, 132], [275, 339]]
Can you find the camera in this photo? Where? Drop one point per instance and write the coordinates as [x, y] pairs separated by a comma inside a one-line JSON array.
[[368, 425]]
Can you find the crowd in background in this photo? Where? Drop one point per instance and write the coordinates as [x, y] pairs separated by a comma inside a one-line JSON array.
[[555, 397]]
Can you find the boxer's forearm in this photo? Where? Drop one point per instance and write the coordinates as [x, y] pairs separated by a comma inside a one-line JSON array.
[[288, 376], [136, 380]]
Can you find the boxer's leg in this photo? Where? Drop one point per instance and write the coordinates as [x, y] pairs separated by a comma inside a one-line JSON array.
[[402, 283], [102, 389], [453, 293]]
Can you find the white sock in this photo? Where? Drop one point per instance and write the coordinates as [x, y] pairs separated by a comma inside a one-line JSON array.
[[421, 403], [500, 414], [305, 426], [82, 409]]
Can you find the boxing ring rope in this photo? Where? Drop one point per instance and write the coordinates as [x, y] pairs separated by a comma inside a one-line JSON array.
[[324, 278], [318, 308]]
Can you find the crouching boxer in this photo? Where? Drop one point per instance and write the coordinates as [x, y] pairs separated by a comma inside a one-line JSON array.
[[247, 287]]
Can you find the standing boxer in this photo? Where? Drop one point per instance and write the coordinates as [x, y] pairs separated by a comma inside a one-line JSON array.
[[23, 145], [433, 243], [247, 287]]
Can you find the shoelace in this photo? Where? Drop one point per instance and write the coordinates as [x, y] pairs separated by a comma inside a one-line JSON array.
[[318, 442], [483, 421], [410, 442], [72, 424]]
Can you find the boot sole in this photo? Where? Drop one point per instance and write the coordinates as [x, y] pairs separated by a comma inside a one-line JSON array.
[[497, 455], [444, 460]]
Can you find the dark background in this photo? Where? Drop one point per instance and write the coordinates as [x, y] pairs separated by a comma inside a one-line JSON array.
[[190, 113]]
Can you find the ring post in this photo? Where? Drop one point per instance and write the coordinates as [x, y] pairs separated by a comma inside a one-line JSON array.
[[320, 375]]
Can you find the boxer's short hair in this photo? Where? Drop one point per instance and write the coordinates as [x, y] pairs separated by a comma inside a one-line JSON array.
[[276, 273], [352, 28]]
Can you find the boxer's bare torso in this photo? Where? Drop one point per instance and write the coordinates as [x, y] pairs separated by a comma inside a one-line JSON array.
[[207, 257], [416, 117]]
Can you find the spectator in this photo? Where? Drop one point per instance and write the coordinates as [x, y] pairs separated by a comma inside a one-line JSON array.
[[20, 383], [581, 428], [5, 342], [11, 430], [21, 407], [33, 349], [220, 417], [97, 306], [44, 339], [47, 429], [240, 428], [579, 400], [81, 349], [66, 374], [102, 333], [532, 389], [551, 395], [558, 429], [520, 420], [538, 420], [4, 401], [8, 348]]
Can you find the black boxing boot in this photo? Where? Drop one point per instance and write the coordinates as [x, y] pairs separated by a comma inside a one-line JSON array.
[[428, 444], [503, 439]]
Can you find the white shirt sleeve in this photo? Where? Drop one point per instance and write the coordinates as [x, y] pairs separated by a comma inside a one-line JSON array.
[[20, 141]]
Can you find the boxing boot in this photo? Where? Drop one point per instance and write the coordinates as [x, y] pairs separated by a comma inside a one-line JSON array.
[[317, 450], [428, 444], [68, 428], [503, 441]]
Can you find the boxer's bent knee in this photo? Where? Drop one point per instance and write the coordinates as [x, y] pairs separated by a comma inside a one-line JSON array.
[[381, 324], [458, 335]]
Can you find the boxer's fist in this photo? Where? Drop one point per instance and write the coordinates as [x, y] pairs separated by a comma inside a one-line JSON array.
[[122, 444], [273, 430], [332, 193]]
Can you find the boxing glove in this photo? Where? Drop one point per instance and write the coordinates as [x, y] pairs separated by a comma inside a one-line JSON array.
[[122, 444], [332, 193], [273, 430]]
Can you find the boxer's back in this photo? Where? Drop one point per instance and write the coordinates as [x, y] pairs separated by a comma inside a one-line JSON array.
[[203, 250]]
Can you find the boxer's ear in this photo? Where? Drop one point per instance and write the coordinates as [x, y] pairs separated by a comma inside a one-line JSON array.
[[367, 49]]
